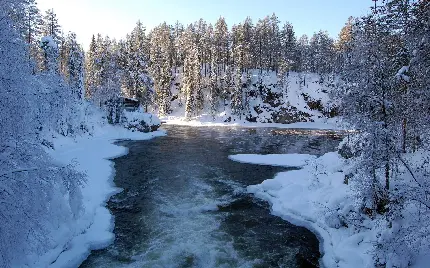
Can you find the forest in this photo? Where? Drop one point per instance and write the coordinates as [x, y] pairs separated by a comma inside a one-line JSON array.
[[377, 72]]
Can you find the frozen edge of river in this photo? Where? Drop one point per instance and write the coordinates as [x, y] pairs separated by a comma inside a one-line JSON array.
[[320, 124], [314, 197], [94, 229]]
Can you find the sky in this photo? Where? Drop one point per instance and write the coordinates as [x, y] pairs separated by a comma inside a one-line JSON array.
[[116, 18]]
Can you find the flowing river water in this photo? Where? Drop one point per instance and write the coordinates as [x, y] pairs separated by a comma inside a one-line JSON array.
[[184, 203]]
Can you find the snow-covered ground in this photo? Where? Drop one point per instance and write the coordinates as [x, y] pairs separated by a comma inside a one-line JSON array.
[[205, 120], [316, 197], [93, 230], [283, 160]]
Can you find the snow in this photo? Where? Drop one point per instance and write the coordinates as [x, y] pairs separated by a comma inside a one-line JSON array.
[[286, 160], [136, 117], [316, 197], [48, 41], [401, 74], [93, 230], [206, 121], [422, 261]]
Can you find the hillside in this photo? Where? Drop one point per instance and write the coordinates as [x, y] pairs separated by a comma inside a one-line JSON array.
[[301, 98]]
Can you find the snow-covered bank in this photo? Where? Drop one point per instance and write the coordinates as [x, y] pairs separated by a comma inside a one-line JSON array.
[[93, 230], [284, 160], [205, 121], [317, 198]]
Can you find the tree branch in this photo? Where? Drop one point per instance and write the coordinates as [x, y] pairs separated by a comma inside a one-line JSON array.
[[409, 169]]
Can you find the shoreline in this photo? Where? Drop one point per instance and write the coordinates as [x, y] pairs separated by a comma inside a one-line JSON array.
[[92, 155]]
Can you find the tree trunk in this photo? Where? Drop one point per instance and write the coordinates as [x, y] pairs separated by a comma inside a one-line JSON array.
[[404, 135], [387, 176]]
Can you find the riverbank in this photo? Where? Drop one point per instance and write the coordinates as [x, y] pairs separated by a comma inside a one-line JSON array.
[[93, 229], [316, 197], [321, 197], [206, 121]]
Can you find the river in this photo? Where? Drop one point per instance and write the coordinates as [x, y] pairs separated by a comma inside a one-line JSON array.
[[184, 203]]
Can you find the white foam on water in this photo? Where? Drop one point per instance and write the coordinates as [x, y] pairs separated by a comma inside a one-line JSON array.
[[187, 234]]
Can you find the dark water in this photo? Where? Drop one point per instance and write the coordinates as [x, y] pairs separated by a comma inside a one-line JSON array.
[[185, 204]]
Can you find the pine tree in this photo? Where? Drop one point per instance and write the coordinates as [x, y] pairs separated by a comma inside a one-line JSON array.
[[246, 42], [221, 45], [274, 45], [177, 55], [189, 82], [288, 58], [50, 55], [160, 67], [214, 94], [262, 32], [51, 26], [343, 45], [74, 65], [303, 62], [321, 51], [237, 95], [207, 51], [235, 51], [136, 67], [192, 73], [52, 37], [226, 84], [29, 24], [90, 69]]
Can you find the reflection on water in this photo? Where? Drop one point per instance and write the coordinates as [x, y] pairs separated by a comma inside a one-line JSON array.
[[184, 202]]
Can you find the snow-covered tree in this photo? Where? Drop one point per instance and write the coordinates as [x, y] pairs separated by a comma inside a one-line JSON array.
[[160, 66], [322, 53], [288, 47], [138, 84], [221, 45], [50, 54], [31, 106], [384, 75], [90, 69], [73, 69], [51, 27], [237, 106]]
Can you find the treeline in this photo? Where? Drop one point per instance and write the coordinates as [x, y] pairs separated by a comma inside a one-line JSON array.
[[385, 94], [211, 61]]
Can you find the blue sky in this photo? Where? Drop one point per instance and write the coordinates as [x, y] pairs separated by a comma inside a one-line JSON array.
[[117, 17]]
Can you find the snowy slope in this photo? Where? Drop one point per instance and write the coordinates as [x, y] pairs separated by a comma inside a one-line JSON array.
[[303, 97]]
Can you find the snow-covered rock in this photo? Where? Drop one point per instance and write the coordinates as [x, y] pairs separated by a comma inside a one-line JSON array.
[[141, 121]]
